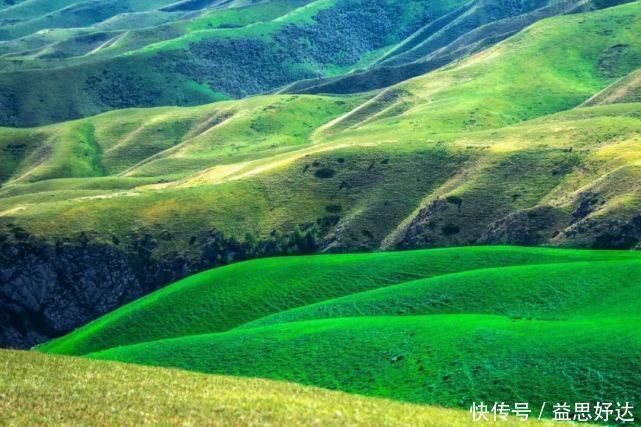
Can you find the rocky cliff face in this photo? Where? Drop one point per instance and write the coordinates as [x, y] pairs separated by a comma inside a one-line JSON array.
[[47, 289]]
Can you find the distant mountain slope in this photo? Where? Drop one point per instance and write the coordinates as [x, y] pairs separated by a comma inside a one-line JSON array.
[[490, 90], [9, 3], [90, 56], [207, 53], [469, 29], [36, 15]]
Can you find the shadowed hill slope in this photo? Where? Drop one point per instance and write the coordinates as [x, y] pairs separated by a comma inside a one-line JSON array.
[[461, 33]]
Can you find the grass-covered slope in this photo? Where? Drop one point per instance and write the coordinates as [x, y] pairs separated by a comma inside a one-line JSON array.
[[478, 152], [228, 297], [92, 56], [450, 360], [495, 87], [433, 139], [625, 90], [35, 15], [470, 28], [167, 141], [570, 290], [491, 324], [41, 389]]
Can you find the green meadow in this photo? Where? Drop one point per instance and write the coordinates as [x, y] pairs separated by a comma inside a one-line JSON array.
[[443, 326], [37, 389], [246, 248], [261, 290]]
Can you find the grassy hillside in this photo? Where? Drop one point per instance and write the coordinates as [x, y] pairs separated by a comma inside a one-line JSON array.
[[478, 152], [571, 290], [78, 391], [224, 298], [625, 90], [492, 324], [494, 88], [442, 129], [35, 15], [449, 360], [182, 141], [471, 28]]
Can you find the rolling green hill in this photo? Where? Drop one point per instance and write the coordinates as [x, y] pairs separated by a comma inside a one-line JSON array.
[[485, 323], [228, 297], [448, 360], [571, 290], [478, 152], [88, 392]]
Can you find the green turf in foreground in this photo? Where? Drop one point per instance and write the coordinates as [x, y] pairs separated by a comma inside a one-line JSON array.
[[45, 389], [225, 298], [450, 360], [444, 326]]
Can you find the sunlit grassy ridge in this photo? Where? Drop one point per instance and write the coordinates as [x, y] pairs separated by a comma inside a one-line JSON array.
[[183, 140], [437, 138], [557, 158], [43, 389], [224, 298]]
